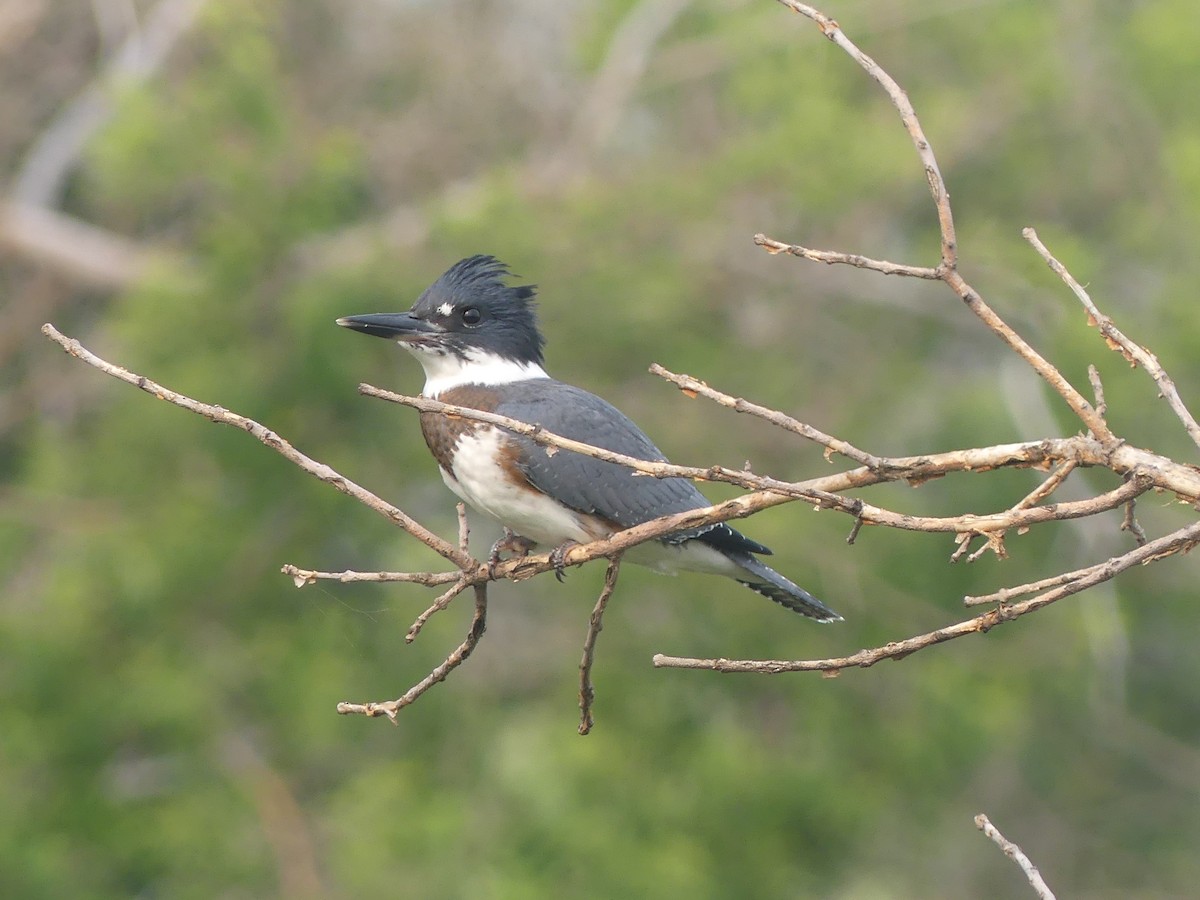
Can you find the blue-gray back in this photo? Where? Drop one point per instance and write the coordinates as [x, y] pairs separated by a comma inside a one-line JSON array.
[[594, 486]]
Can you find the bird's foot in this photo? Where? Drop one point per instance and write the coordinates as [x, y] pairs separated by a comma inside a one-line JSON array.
[[512, 543], [558, 558]]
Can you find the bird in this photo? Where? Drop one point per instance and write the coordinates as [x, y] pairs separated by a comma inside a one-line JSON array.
[[478, 341]]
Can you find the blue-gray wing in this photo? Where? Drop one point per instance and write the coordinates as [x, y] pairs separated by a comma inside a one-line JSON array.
[[597, 487]]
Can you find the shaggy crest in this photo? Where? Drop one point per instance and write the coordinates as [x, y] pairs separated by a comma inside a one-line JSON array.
[[478, 282]]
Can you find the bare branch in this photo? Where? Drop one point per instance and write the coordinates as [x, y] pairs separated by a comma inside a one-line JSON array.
[[1037, 495], [537, 433], [1134, 353], [547, 438], [1050, 485], [456, 658], [1016, 517], [1097, 391], [693, 386], [947, 270], [1075, 400], [587, 693], [1005, 594], [464, 528], [933, 174], [1017, 855], [525, 567], [1177, 542], [1131, 524], [1180, 541], [303, 577], [436, 607], [271, 439], [834, 257]]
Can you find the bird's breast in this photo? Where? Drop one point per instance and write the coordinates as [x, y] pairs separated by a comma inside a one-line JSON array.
[[481, 464], [483, 470], [443, 433]]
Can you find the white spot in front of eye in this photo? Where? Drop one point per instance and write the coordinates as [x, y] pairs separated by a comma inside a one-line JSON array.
[[445, 309]]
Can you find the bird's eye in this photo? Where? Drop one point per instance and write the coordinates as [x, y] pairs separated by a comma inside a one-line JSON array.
[[471, 316]]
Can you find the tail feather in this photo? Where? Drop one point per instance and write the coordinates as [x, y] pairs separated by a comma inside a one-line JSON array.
[[766, 581]]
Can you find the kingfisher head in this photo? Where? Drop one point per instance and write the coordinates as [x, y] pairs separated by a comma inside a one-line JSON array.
[[468, 327]]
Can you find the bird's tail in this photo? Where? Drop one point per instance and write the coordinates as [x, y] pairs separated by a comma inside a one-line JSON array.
[[766, 581]]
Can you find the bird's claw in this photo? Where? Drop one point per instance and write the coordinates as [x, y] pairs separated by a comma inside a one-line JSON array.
[[512, 543], [558, 559]]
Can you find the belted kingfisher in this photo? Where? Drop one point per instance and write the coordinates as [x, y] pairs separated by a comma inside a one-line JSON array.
[[478, 341]]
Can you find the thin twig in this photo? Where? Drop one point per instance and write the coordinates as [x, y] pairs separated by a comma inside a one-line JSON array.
[[833, 257], [1177, 542], [437, 606], [1037, 495], [1049, 486], [456, 658], [303, 577], [1131, 524], [1134, 353], [1006, 594], [908, 115], [1017, 517], [587, 693], [1180, 541], [464, 528], [1097, 391], [993, 541], [1017, 855], [1043, 367], [693, 386], [857, 527]]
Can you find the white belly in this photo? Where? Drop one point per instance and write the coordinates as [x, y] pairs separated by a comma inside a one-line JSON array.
[[486, 487]]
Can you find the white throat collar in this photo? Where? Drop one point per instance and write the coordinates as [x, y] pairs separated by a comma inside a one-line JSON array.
[[446, 369]]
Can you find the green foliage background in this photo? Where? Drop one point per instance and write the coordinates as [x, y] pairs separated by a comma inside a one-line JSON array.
[[167, 697]]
